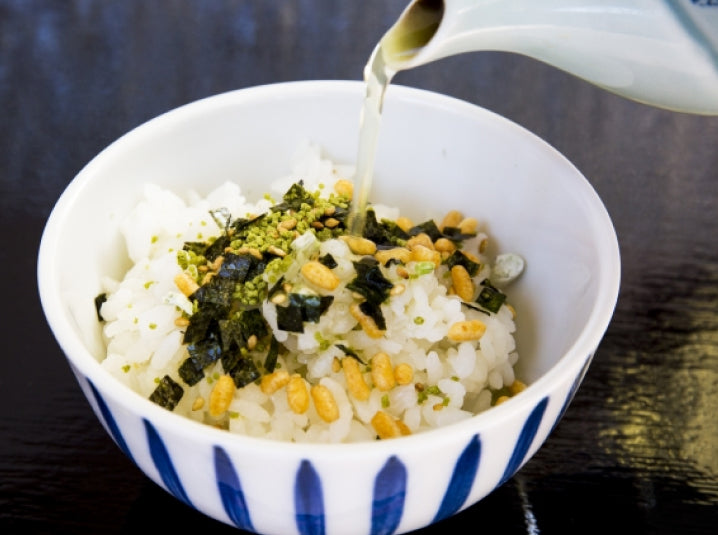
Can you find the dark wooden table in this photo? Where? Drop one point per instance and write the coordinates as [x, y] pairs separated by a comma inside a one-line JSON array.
[[637, 451]]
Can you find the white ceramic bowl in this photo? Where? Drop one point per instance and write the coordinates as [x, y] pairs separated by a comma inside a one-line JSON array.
[[434, 152]]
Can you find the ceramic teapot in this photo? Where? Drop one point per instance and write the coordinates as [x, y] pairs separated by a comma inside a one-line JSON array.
[[663, 53]]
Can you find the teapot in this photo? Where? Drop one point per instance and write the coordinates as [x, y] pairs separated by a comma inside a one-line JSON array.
[[663, 53]]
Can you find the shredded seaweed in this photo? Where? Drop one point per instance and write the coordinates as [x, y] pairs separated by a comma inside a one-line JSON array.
[[211, 249], [252, 323], [328, 260], [427, 227], [167, 394], [459, 258], [275, 287], [313, 306], [289, 318], [201, 322], [239, 226], [454, 234], [476, 308], [350, 352], [373, 310], [212, 335], [270, 361], [201, 354], [99, 301], [302, 308], [218, 291], [370, 282], [236, 267], [432, 230], [240, 368], [490, 297], [340, 214], [294, 198], [385, 233], [236, 330]]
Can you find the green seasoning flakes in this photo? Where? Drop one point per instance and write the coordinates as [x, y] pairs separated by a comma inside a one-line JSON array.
[[231, 272]]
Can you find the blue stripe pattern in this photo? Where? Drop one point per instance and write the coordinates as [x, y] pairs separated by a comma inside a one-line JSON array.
[[110, 421], [390, 484], [572, 391], [164, 465], [230, 490], [389, 494], [461, 480], [308, 500], [526, 437]]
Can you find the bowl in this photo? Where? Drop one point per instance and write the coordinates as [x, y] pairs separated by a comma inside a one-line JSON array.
[[435, 153]]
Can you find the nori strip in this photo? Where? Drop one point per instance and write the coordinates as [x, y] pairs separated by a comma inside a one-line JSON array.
[[277, 286], [293, 199], [252, 322], [270, 361], [490, 297], [427, 227], [167, 394], [217, 247], [385, 233], [349, 352], [203, 321], [245, 372], [239, 225], [235, 267], [328, 260], [236, 331], [340, 214], [241, 369], [311, 306], [230, 333], [455, 234], [477, 309], [302, 308], [289, 318], [99, 300], [459, 258], [370, 282], [373, 310], [201, 354], [218, 291], [191, 371], [256, 268]]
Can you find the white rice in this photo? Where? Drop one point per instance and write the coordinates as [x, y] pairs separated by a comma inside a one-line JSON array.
[[456, 380]]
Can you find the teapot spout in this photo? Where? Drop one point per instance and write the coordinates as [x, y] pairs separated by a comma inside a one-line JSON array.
[[428, 30], [660, 53]]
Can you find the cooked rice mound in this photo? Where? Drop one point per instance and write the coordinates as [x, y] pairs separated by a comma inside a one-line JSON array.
[[354, 366]]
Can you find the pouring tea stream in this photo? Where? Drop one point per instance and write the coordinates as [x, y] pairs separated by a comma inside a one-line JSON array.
[[663, 53]]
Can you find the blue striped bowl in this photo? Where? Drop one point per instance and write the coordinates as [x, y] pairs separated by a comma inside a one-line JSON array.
[[433, 149]]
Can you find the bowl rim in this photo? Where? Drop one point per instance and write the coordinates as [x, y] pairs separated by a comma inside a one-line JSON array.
[[80, 357]]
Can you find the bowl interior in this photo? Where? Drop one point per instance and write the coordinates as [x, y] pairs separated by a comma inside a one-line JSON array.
[[435, 154]]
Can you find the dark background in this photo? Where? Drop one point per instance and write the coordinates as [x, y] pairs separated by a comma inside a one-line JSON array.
[[637, 450]]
